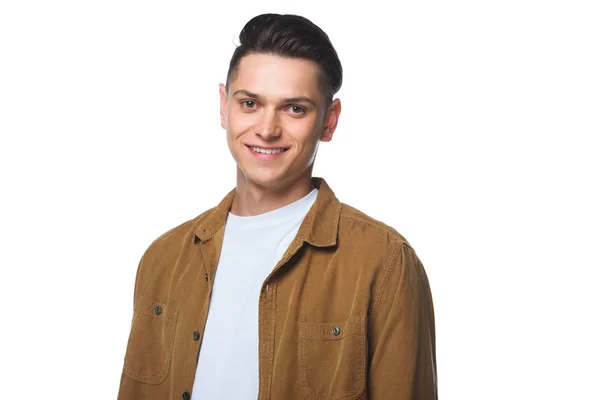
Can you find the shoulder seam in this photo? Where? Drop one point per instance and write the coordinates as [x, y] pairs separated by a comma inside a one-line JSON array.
[[378, 225], [193, 222]]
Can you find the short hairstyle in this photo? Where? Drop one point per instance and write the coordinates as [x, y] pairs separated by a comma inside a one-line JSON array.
[[290, 36]]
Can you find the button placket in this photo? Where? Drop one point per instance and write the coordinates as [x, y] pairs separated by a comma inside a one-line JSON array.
[[266, 335]]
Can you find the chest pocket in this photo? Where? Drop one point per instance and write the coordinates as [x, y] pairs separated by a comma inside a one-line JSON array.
[[150, 345], [332, 359]]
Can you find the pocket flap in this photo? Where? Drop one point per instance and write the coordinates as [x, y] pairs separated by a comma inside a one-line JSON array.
[[332, 330], [148, 307]]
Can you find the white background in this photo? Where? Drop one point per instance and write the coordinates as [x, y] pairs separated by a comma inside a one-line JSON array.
[[470, 126]]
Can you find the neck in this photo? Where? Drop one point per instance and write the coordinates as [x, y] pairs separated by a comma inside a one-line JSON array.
[[251, 199]]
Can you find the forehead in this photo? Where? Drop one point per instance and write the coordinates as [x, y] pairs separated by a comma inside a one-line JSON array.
[[277, 76]]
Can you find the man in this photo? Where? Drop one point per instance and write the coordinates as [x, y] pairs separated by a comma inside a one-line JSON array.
[[281, 291]]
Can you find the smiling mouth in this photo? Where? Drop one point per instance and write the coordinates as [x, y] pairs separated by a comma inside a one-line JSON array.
[[260, 150]]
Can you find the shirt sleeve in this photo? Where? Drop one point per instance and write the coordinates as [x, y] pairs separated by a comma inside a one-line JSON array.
[[402, 354], [136, 283]]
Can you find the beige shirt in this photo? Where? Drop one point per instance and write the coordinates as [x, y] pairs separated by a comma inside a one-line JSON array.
[[347, 312]]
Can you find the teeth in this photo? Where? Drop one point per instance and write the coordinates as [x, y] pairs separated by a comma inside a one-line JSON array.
[[266, 151]]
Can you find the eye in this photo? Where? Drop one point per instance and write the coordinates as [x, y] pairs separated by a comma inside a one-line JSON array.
[[248, 104], [296, 109]]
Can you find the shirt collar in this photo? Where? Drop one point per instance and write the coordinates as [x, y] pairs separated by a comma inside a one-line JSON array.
[[319, 227]]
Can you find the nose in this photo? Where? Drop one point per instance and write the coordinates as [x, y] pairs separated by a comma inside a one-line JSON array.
[[268, 127]]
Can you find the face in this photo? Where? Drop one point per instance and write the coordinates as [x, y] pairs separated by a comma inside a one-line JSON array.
[[275, 116]]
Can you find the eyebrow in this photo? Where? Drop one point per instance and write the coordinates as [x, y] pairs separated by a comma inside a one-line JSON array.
[[299, 99]]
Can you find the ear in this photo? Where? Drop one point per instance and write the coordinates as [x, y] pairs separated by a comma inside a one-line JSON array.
[[331, 120], [223, 107]]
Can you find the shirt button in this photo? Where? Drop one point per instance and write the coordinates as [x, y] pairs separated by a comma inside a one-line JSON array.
[[196, 335], [206, 276], [186, 396], [158, 310], [336, 330]]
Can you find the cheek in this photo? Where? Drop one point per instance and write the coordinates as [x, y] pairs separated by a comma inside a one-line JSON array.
[[303, 128], [306, 139], [238, 121]]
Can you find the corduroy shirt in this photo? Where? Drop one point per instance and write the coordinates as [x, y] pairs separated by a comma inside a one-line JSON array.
[[346, 313]]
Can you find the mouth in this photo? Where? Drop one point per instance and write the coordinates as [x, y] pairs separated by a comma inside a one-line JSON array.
[[265, 151], [267, 154]]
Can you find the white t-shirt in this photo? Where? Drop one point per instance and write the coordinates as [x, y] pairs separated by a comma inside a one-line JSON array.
[[252, 246]]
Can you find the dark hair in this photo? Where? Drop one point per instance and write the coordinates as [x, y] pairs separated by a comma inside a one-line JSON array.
[[290, 36]]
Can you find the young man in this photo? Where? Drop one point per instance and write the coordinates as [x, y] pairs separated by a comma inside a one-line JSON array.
[[281, 291]]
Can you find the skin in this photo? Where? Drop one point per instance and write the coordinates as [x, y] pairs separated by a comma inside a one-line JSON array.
[[275, 102]]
